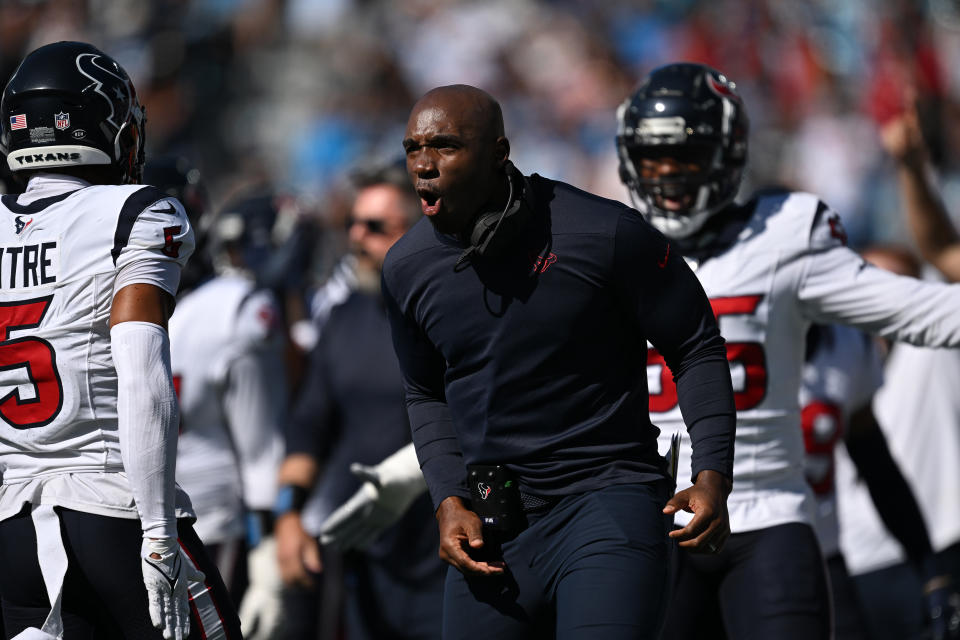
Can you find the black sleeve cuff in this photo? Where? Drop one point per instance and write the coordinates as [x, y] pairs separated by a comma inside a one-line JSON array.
[[706, 403]]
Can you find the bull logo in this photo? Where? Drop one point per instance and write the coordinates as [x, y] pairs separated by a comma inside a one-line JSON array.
[[542, 263], [485, 490], [722, 88], [119, 96]]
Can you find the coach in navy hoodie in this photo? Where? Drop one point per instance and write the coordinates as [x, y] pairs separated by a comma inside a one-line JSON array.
[[521, 308]]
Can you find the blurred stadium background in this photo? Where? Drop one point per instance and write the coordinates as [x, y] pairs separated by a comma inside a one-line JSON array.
[[296, 93]]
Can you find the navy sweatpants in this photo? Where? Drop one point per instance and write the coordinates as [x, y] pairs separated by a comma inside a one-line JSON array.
[[892, 599], [595, 565], [103, 592], [848, 619], [769, 583]]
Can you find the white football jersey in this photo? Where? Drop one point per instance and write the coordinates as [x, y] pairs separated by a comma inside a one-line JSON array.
[[789, 267], [918, 409], [62, 244], [840, 377], [227, 359]]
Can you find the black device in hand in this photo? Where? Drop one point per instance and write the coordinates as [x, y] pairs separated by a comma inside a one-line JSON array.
[[495, 497]]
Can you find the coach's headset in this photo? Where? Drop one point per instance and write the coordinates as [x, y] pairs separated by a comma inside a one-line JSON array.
[[493, 231]]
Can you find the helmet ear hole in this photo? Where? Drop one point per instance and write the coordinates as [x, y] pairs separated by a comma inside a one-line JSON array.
[[121, 142], [129, 152]]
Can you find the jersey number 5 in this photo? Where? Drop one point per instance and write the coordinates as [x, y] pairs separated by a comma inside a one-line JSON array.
[[748, 355], [36, 355]]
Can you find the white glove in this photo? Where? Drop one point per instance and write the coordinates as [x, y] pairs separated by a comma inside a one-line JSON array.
[[32, 633], [388, 491], [262, 606], [166, 577]]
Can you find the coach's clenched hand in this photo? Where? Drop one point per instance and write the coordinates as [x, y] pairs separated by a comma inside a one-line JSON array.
[[707, 501], [461, 537]]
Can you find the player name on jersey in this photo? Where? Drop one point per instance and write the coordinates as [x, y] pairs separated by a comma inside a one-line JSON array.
[[29, 265]]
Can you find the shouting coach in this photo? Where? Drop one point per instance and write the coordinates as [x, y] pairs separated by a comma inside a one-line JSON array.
[[521, 309]]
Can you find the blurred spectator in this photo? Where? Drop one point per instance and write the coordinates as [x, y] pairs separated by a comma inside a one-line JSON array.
[[292, 92]]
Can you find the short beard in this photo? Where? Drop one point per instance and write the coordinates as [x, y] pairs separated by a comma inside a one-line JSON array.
[[368, 278]]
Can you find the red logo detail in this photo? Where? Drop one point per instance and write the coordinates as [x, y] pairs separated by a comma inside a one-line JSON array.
[[822, 424], [663, 263], [484, 490], [836, 228], [541, 264], [177, 380], [268, 318], [171, 249], [721, 88]]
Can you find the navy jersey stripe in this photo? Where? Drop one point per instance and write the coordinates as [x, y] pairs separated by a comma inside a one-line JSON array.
[[135, 204], [821, 207], [10, 202]]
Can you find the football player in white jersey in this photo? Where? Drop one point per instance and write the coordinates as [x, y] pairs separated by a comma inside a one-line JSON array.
[[841, 374], [771, 267], [95, 538], [226, 347], [919, 411]]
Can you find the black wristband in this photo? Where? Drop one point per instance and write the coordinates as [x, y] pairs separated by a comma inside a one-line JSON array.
[[291, 497], [264, 520]]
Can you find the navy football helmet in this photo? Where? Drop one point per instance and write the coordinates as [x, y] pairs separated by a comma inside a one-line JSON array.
[[692, 114], [176, 176], [246, 227], [69, 104]]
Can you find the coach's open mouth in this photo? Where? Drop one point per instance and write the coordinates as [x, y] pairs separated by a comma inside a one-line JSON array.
[[430, 202]]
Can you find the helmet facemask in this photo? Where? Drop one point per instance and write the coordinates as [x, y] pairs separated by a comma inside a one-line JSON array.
[[682, 147]]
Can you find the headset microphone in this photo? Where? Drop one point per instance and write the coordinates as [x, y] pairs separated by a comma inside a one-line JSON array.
[[493, 230]]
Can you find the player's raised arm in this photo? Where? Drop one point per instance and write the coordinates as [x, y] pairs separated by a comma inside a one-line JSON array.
[[926, 215]]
